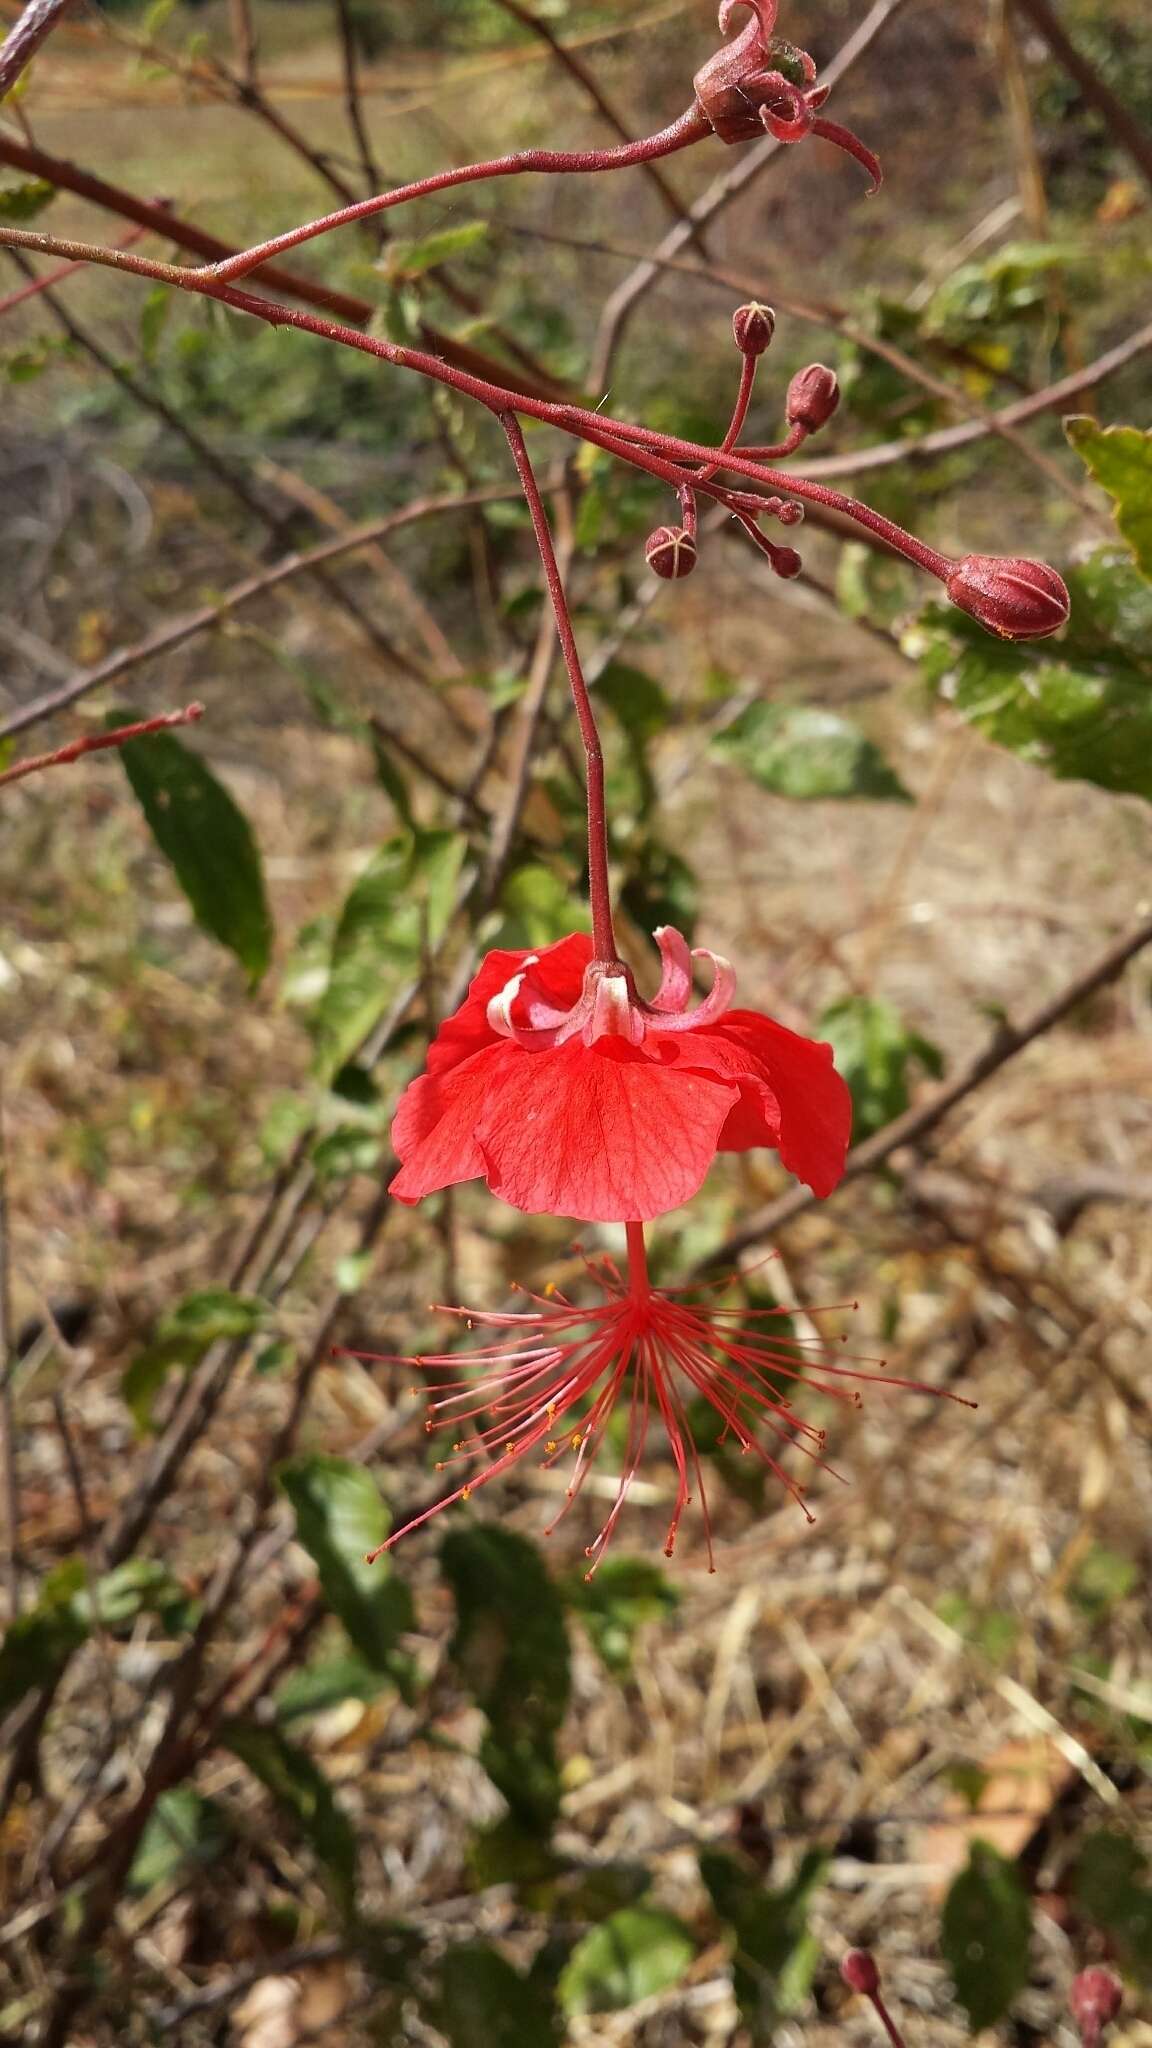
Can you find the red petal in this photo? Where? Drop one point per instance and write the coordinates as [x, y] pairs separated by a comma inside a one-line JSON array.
[[606, 1133], [808, 1111], [434, 1128], [559, 972]]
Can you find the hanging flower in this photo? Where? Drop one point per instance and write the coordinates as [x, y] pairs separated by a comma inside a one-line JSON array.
[[551, 1377], [757, 83], [558, 1086]]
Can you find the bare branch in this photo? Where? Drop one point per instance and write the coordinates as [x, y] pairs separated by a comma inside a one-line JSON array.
[[1122, 125], [22, 42]]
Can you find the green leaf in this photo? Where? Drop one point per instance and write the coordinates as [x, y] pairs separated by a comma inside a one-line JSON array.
[[800, 750], [399, 907], [1084, 713], [776, 1954], [877, 1054], [184, 1830], [1111, 1885], [404, 259], [1120, 459], [340, 1516], [38, 1644], [633, 1955], [182, 1337], [625, 1593], [511, 1652], [482, 2002], [985, 1933], [537, 906], [391, 780], [301, 1790], [327, 1683], [207, 840], [19, 203], [641, 709], [657, 886]]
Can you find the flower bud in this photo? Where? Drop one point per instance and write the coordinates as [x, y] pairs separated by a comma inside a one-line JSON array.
[[753, 326], [785, 561], [860, 1973], [670, 552], [813, 396], [1018, 599], [1094, 2001]]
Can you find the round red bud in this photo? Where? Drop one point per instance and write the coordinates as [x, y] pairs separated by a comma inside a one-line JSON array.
[[813, 396], [753, 326], [860, 1973], [1018, 599], [786, 562], [670, 552], [1094, 2000]]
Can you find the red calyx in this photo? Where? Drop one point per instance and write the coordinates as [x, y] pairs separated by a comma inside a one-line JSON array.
[[813, 396], [670, 552], [860, 1973], [753, 326], [1016, 598], [1094, 2001]]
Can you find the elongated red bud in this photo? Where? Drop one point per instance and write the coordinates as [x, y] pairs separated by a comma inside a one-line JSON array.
[[1094, 2002], [753, 326], [670, 552], [1018, 599], [813, 396], [860, 1973]]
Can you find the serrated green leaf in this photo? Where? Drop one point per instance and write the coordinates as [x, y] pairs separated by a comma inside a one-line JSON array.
[[339, 1517], [207, 840], [405, 259], [634, 1954], [625, 1593], [1120, 459], [20, 203], [803, 751], [877, 1054], [511, 1652], [1084, 713], [985, 1935], [482, 2002], [183, 1830], [301, 1790], [399, 907]]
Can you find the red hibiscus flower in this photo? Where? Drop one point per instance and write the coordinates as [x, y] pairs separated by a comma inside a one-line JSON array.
[[564, 1091]]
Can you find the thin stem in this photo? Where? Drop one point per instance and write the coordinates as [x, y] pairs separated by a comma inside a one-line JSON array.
[[692, 126], [95, 743], [739, 414], [599, 892], [352, 104], [638, 1281], [886, 2020]]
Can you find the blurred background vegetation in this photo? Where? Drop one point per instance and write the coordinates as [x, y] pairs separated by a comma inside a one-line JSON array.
[[254, 1794]]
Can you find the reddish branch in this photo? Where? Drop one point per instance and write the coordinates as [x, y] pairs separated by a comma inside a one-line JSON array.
[[24, 39], [95, 743]]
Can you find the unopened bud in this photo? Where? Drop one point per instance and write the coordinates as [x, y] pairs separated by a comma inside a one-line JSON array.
[[753, 326], [1018, 599], [813, 396], [1094, 2001], [670, 552], [786, 562], [860, 1973]]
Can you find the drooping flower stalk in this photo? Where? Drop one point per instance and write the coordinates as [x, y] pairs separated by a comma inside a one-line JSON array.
[[549, 1378]]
